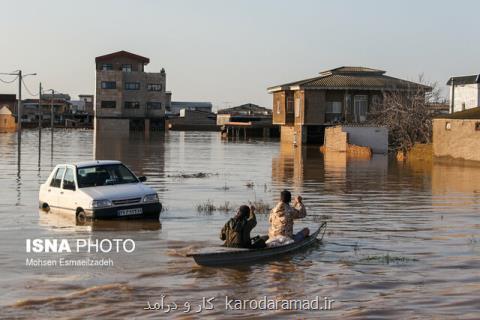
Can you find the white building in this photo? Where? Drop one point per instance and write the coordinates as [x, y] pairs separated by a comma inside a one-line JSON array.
[[464, 92]]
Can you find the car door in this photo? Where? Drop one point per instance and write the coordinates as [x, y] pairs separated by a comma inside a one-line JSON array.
[[53, 190], [67, 197]]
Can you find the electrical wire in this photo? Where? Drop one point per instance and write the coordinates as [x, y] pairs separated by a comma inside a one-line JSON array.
[[28, 90], [5, 81]]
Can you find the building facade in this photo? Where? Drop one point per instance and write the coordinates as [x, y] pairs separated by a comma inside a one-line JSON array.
[[457, 136], [343, 95], [128, 98], [464, 92]]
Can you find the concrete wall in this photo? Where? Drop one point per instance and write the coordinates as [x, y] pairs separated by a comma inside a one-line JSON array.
[[456, 138], [336, 139], [374, 137], [468, 95]]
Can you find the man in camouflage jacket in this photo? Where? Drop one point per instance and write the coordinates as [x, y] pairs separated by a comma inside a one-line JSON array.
[[282, 216]]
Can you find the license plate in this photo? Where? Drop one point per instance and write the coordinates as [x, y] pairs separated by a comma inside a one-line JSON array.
[[129, 212]]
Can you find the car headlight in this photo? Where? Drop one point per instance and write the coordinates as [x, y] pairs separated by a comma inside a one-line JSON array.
[[150, 198], [101, 203]]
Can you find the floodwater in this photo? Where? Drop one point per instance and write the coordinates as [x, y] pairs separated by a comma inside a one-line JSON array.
[[403, 240]]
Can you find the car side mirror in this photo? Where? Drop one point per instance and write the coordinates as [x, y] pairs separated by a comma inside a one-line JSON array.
[[142, 179]]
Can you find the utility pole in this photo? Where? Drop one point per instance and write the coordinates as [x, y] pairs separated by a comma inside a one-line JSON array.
[[19, 104], [40, 111], [52, 113]]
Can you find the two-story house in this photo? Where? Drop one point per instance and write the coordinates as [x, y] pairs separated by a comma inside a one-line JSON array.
[[305, 108], [128, 98]]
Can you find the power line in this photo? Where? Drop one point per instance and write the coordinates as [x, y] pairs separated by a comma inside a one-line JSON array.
[[28, 90], [5, 81]]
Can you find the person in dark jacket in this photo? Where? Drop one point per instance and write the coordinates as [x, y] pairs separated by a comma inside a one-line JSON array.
[[236, 232]]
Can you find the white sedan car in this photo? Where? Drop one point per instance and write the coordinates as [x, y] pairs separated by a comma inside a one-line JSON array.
[[100, 190]]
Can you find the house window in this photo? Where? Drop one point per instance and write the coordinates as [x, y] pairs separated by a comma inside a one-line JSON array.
[[360, 108], [448, 126], [154, 105], [108, 104], [278, 106], [154, 87], [132, 105], [109, 85], [126, 67], [297, 107], [333, 112], [132, 85], [106, 66]]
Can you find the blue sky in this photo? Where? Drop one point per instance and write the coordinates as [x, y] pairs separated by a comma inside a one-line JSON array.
[[229, 52]]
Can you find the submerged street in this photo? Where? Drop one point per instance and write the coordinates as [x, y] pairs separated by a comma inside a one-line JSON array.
[[403, 239]]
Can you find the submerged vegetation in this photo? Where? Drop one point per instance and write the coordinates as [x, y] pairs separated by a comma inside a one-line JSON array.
[[197, 175], [261, 207]]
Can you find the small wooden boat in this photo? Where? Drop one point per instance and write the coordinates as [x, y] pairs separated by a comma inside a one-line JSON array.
[[229, 256]]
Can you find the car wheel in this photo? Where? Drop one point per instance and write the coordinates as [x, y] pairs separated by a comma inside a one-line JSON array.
[[45, 207], [81, 216]]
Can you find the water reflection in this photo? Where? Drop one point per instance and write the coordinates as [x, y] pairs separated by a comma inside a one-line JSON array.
[[57, 221]]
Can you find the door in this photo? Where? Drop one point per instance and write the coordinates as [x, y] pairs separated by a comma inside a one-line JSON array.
[[53, 191], [67, 197]]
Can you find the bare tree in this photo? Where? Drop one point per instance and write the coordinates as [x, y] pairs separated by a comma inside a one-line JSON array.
[[407, 114]]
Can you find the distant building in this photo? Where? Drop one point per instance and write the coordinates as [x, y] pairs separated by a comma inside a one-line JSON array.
[[305, 108], [193, 120], [7, 120], [464, 92], [176, 106], [248, 112], [457, 135], [61, 107], [88, 102], [9, 101], [127, 97]]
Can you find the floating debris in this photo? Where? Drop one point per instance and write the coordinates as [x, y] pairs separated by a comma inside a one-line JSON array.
[[207, 207], [250, 184]]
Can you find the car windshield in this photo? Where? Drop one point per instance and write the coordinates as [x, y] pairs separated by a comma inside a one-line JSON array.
[[104, 175]]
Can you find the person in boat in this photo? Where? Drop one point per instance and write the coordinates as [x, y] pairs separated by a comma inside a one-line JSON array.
[[236, 232], [282, 216]]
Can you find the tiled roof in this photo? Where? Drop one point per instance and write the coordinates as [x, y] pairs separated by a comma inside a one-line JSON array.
[[473, 113], [464, 80], [351, 78]]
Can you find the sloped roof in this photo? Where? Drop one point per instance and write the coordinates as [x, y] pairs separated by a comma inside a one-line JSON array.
[[473, 113], [351, 78], [464, 80], [4, 110], [248, 108], [122, 53]]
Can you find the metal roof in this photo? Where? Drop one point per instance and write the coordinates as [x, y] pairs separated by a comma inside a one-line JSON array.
[[360, 78], [464, 80]]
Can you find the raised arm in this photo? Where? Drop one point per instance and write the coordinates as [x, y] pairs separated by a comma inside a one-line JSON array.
[[252, 219], [299, 209]]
